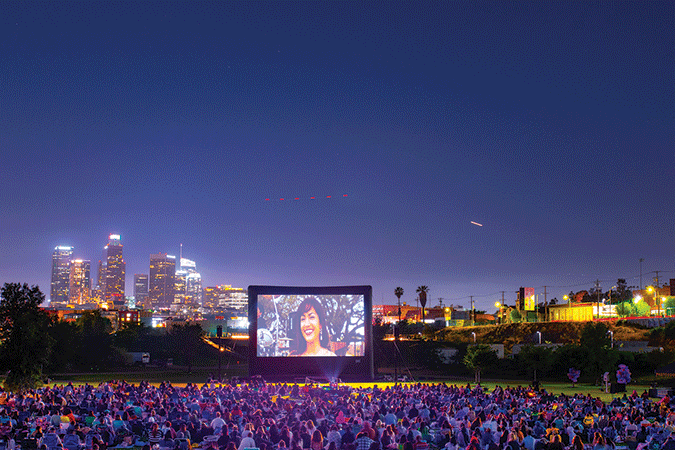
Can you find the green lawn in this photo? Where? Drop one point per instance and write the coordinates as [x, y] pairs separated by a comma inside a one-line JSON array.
[[178, 377]]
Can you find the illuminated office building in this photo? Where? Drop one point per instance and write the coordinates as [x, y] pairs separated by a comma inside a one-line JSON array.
[[194, 288], [79, 288], [98, 293], [211, 296], [225, 296], [141, 288], [180, 286], [114, 271], [162, 280], [188, 284], [60, 273]]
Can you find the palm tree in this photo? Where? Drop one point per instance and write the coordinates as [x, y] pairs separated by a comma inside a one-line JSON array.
[[422, 291], [398, 292]]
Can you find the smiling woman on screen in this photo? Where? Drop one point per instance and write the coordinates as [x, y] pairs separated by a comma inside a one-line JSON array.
[[315, 341]]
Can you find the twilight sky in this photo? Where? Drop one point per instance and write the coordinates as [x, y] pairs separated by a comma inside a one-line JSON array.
[[550, 123]]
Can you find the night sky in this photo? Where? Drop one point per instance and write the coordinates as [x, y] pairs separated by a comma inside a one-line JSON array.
[[549, 123]]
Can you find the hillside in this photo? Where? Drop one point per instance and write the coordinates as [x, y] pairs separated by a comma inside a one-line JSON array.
[[551, 332]]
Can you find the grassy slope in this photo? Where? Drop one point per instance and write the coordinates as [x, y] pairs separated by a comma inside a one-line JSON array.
[[553, 332]]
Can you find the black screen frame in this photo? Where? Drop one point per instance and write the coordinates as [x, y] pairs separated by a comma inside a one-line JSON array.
[[287, 367]]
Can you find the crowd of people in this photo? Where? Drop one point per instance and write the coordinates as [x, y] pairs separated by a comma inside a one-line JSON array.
[[260, 415]]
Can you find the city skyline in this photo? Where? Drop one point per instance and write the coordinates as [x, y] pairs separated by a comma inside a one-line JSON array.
[[470, 146], [633, 282]]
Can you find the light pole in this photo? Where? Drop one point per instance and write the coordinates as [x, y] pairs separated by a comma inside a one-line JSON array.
[[652, 289], [473, 312], [611, 337], [641, 259], [220, 358], [569, 306], [499, 312], [473, 333], [610, 301], [539, 336], [398, 292]]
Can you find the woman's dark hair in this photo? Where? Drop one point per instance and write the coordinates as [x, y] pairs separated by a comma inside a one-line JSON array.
[[307, 304], [317, 436]]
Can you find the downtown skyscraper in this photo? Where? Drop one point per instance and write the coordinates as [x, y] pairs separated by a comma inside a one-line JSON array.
[[79, 287], [115, 269], [141, 289], [60, 273], [188, 284], [162, 280]]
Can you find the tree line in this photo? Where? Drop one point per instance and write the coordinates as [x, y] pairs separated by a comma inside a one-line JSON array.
[[35, 342]]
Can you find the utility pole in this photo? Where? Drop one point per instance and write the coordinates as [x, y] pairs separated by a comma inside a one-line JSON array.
[[473, 312], [501, 315], [641, 259], [656, 290], [597, 290], [397, 333], [545, 305]]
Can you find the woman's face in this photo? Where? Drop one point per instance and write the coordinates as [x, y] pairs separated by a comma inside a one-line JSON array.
[[310, 325]]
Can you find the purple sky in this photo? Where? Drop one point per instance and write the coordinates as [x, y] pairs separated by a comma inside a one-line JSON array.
[[550, 123]]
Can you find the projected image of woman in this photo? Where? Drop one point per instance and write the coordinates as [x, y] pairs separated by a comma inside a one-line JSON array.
[[315, 340]]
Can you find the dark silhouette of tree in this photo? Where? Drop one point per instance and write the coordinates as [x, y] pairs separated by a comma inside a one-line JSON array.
[[538, 360], [131, 335], [622, 292], [24, 333], [95, 340], [422, 292], [480, 357], [398, 292], [596, 340], [186, 340], [64, 355]]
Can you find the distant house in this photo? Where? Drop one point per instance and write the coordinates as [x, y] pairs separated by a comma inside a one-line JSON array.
[[574, 312]]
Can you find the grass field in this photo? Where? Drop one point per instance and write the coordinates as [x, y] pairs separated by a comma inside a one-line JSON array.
[[180, 378]]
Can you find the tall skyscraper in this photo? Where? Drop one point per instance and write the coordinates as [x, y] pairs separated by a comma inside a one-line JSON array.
[[162, 280], [180, 286], [188, 284], [60, 273], [115, 270], [99, 291], [194, 288], [141, 289], [79, 290]]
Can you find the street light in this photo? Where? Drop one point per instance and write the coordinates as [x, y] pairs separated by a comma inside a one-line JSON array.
[[474, 336], [610, 300], [652, 289], [499, 311], [611, 336], [569, 306], [539, 336]]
